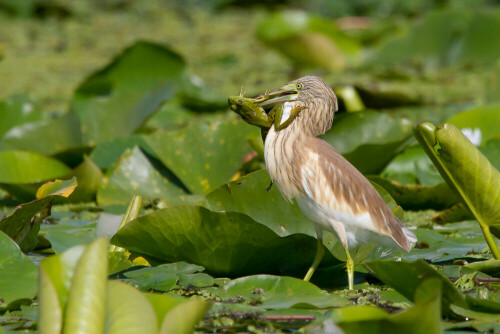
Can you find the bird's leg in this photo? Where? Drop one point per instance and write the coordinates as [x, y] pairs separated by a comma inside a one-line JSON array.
[[350, 268], [319, 254], [340, 230]]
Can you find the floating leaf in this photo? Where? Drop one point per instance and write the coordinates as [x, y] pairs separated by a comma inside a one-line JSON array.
[[248, 195], [480, 123], [107, 153], [467, 171], [203, 155], [89, 178], [128, 311], [84, 312], [23, 224], [133, 175], [62, 188], [166, 277], [16, 167], [58, 135], [15, 111], [417, 196], [405, 277], [19, 273], [225, 243], [116, 100], [275, 292], [307, 40], [369, 140], [182, 318], [424, 317]]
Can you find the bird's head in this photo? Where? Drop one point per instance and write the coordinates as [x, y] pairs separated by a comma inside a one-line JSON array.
[[312, 93]]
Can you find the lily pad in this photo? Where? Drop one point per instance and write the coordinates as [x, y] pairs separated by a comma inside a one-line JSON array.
[[467, 171], [405, 277], [412, 166], [479, 123], [248, 195], [16, 167], [275, 292], [19, 273], [182, 318], [133, 175], [203, 155], [170, 276], [117, 99], [106, 154], [307, 40], [417, 196], [15, 111], [58, 135], [423, 317], [128, 311], [369, 140], [23, 224], [225, 243]]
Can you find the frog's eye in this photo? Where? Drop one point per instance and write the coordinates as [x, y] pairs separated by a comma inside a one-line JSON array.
[[300, 85], [239, 102]]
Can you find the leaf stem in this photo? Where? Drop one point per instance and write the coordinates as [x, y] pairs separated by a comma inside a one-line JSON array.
[[490, 241]]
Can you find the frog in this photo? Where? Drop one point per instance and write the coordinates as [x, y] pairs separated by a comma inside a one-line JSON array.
[[252, 112]]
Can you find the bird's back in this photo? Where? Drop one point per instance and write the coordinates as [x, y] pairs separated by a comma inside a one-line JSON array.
[[339, 191]]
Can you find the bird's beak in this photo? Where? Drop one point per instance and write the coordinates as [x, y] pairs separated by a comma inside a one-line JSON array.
[[283, 94]]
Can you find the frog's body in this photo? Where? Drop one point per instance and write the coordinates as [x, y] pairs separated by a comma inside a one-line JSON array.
[[252, 113]]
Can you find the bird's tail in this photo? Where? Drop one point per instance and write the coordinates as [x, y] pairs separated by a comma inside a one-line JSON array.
[[412, 238]]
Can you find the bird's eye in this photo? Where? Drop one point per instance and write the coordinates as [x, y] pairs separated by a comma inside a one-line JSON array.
[[300, 85], [240, 102]]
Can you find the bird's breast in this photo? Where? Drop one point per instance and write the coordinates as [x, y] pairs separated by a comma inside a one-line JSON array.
[[280, 153]]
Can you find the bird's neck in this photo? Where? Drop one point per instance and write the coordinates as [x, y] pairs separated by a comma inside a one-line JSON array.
[[282, 150]]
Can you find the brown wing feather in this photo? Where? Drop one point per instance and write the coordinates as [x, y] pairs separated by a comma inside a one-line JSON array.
[[347, 183]]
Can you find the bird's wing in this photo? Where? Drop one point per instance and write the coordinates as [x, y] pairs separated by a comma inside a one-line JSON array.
[[344, 194]]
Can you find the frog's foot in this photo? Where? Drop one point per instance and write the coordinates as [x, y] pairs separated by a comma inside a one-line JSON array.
[[242, 92]]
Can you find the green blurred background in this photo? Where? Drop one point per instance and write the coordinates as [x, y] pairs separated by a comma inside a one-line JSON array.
[[438, 50]]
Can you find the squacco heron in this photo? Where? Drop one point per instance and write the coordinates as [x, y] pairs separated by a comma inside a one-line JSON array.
[[328, 189]]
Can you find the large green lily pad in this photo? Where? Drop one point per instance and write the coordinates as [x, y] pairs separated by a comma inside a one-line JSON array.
[[107, 153], [16, 167], [203, 155], [15, 111], [405, 277], [369, 140], [248, 195], [423, 318], [276, 292], [225, 243], [23, 224], [19, 273], [308, 40], [417, 196], [116, 100], [58, 135], [133, 175], [480, 123], [467, 171]]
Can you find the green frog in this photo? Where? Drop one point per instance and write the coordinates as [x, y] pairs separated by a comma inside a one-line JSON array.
[[252, 112]]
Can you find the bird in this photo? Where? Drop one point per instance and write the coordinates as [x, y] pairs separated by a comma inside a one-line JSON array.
[[329, 190]]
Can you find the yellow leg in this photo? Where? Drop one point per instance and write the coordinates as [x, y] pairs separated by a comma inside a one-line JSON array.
[[319, 255], [350, 269]]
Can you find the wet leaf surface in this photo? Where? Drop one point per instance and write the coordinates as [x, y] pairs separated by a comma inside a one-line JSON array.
[[19, 274], [135, 174], [204, 155], [226, 243], [369, 140]]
